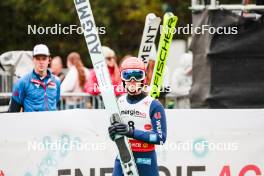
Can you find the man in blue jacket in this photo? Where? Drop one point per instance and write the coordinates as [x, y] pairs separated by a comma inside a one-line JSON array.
[[39, 90]]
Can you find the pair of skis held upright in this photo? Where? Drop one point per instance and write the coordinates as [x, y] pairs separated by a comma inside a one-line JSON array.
[[84, 11]]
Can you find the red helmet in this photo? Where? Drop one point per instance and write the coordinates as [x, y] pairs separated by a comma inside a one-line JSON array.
[[132, 63]]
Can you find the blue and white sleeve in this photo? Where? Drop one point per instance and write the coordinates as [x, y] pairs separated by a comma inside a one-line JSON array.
[[158, 133]]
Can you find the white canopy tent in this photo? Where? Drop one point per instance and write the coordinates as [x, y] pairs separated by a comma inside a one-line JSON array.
[[16, 63], [214, 4]]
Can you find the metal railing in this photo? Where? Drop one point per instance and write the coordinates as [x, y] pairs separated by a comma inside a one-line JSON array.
[[80, 100], [68, 101], [6, 81], [177, 102], [87, 101]]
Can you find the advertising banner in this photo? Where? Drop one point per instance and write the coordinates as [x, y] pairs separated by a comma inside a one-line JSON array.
[[76, 143]]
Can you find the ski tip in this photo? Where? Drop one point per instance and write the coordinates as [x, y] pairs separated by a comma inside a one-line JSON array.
[[170, 15], [156, 20], [151, 16]]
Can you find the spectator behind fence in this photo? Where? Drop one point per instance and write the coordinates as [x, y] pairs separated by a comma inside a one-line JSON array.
[[56, 67], [110, 57], [39, 90], [74, 80], [182, 81]]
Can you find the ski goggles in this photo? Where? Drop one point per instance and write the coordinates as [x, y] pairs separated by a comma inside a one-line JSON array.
[[135, 74]]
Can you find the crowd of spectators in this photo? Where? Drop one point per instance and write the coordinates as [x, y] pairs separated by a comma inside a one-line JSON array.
[[54, 81]]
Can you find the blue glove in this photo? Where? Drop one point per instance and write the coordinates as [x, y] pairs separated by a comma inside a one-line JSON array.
[[120, 129]]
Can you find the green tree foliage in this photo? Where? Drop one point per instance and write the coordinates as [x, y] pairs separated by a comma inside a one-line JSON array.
[[123, 21]]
